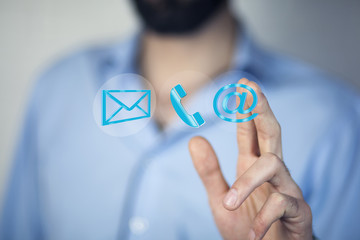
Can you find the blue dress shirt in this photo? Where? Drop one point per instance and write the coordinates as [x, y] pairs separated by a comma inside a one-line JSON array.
[[70, 180]]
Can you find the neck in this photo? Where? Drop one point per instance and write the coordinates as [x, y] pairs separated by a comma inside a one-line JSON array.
[[208, 51]]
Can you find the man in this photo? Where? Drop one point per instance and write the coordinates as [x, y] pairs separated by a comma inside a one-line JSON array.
[[72, 181]]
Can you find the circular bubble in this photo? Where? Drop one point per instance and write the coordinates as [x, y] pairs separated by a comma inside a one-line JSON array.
[[124, 105], [224, 79], [197, 99], [238, 109]]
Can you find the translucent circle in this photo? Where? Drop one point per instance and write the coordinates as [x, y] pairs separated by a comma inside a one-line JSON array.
[[197, 98], [219, 85], [124, 105], [238, 108]]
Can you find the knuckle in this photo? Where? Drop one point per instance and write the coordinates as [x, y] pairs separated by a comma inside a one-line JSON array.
[[243, 131], [260, 223], [293, 203], [303, 213], [207, 167], [243, 182], [277, 127], [307, 213], [210, 169], [272, 161], [272, 132], [272, 129], [244, 165], [278, 200], [262, 103], [254, 86]]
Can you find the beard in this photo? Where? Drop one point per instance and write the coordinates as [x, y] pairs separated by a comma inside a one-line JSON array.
[[176, 17]]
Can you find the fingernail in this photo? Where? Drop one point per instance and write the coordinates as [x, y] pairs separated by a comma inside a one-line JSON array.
[[251, 235], [231, 198]]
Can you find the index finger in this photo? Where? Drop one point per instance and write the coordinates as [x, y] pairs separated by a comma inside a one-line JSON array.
[[267, 127], [246, 131]]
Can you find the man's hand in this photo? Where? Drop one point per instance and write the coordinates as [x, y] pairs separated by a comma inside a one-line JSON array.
[[264, 202]]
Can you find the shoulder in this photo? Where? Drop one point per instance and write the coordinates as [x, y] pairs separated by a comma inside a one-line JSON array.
[[80, 69], [77, 64], [69, 84], [311, 90], [89, 60]]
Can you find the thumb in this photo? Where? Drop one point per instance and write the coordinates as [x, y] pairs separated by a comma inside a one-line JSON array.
[[208, 168]]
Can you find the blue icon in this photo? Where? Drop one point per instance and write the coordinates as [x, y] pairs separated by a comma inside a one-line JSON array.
[[240, 108], [176, 94], [125, 105]]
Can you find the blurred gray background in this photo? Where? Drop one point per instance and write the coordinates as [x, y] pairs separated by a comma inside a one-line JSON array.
[[34, 33]]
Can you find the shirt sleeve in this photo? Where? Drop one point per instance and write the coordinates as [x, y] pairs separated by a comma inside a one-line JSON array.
[[20, 218]]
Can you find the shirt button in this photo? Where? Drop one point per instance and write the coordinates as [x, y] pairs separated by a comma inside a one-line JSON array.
[[138, 225]]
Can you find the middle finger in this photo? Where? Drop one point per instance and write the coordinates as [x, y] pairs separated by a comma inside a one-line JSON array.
[[267, 127]]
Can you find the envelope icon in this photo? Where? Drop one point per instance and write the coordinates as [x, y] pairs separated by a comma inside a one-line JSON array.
[[125, 105]]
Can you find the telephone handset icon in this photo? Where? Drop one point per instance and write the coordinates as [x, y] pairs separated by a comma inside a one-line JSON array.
[[194, 120]]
